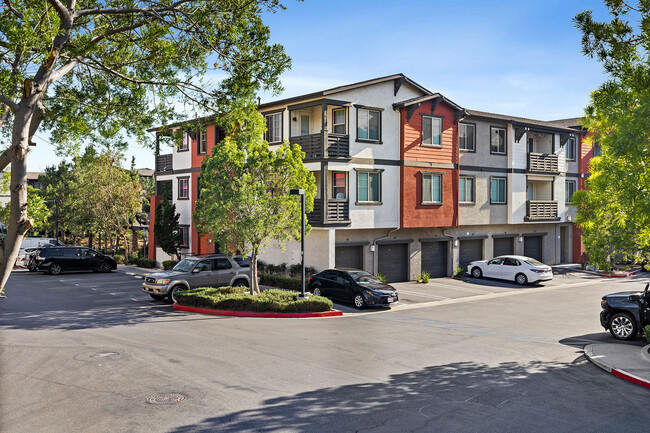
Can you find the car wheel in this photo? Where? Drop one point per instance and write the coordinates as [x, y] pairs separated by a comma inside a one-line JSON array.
[[521, 279], [477, 272], [172, 293], [316, 291], [55, 269], [240, 283], [104, 267], [623, 326], [157, 297], [359, 302]]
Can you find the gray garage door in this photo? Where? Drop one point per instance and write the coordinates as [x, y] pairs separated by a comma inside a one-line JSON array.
[[503, 246], [349, 257], [470, 250], [533, 247], [393, 262], [434, 258]]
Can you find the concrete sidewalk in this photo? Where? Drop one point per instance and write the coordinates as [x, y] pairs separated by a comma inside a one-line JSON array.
[[626, 361], [136, 271]]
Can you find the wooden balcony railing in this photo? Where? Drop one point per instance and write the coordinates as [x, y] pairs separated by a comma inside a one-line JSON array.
[[543, 162], [336, 212], [338, 145], [541, 210]]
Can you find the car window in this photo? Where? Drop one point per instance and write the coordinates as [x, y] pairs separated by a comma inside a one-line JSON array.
[[534, 262], [184, 265], [512, 262], [495, 262], [341, 278], [222, 264], [243, 262], [363, 277], [328, 275], [204, 265], [70, 252]]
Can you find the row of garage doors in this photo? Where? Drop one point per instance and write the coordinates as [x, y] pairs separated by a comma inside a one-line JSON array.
[[393, 260]]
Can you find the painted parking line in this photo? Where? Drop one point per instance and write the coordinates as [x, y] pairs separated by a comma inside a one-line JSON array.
[[423, 295], [463, 289]]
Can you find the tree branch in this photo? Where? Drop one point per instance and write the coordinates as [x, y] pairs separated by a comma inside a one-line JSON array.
[[13, 9], [61, 10], [8, 102], [115, 11]]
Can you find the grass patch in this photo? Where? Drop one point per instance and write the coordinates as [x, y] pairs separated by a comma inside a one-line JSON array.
[[239, 299]]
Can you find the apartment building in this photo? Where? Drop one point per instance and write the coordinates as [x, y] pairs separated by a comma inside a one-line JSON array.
[[407, 180]]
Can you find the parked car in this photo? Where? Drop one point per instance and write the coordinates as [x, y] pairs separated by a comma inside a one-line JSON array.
[[352, 285], [625, 314], [23, 257], [55, 260], [521, 269], [28, 243], [210, 270]]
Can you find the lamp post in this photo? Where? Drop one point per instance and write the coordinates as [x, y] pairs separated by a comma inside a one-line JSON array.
[[301, 193], [57, 218]]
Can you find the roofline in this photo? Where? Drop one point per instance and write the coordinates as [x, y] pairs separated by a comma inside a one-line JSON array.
[[519, 121], [427, 98]]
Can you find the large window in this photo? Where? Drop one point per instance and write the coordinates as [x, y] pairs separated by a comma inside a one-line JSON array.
[[569, 189], [368, 124], [431, 131], [185, 238], [467, 137], [202, 145], [466, 189], [498, 190], [368, 187], [497, 140], [338, 122], [339, 185], [185, 142], [431, 188], [273, 128], [571, 149], [183, 188]]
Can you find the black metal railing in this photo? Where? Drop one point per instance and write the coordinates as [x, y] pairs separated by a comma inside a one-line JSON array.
[[164, 163], [337, 211]]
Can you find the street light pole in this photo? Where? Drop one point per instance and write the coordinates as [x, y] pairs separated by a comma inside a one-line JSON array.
[[301, 193]]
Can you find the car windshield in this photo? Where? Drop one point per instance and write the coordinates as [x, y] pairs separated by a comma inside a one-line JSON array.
[[534, 262], [364, 278], [184, 265]]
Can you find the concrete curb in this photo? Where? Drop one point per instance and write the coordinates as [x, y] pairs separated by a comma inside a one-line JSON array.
[[588, 350], [629, 274], [333, 313]]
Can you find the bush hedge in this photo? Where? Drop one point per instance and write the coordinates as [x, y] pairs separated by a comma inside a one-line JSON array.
[[169, 264], [144, 263], [119, 258], [287, 283], [238, 299]]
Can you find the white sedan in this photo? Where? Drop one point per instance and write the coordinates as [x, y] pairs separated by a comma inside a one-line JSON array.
[[520, 269]]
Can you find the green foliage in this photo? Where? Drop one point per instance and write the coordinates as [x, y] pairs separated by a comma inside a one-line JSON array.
[[646, 333], [144, 263], [169, 264], [119, 258], [236, 299], [288, 283], [381, 278], [459, 272], [614, 211], [37, 210], [166, 230], [424, 277]]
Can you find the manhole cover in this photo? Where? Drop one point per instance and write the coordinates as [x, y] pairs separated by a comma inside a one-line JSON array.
[[105, 355], [170, 398]]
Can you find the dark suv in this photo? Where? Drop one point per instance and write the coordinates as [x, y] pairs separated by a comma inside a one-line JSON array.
[[625, 314], [57, 259]]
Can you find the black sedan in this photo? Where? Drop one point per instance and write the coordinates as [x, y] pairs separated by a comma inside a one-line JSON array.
[[352, 285], [57, 259]]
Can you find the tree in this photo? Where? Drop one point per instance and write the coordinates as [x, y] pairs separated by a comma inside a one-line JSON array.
[[245, 197], [614, 212], [100, 70], [37, 210], [166, 229]]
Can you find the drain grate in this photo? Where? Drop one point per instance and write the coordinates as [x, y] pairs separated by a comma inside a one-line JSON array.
[[169, 398], [105, 355]]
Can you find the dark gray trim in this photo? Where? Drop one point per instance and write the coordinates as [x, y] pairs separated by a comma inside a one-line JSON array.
[[394, 241], [575, 149], [178, 185], [381, 121], [410, 110], [367, 107], [475, 128], [277, 110], [181, 171], [473, 189], [528, 235], [397, 84], [436, 239], [317, 103], [578, 175], [351, 244], [505, 193], [505, 140], [470, 237], [435, 102], [189, 235], [505, 235]]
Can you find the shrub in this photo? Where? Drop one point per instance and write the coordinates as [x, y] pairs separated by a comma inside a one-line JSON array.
[[310, 270], [424, 277], [169, 264], [133, 257], [236, 299], [261, 266], [646, 332], [459, 272], [145, 263], [119, 258], [381, 278], [281, 282], [296, 270]]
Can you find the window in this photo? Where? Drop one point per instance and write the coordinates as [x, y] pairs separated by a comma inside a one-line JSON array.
[[466, 189], [185, 238], [368, 187], [184, 188], [569, 189], [198, 187], [273, 132], [431, 131], [498, 190], [597, 149], [531, 145], [204, 265], [497, 140], [338, 121], [431, 188], [202, 145], [222, 264], [571, 149], [339, 185], [185, 142], [467, 137], [512, 262], [368, 124], [530, 191], [304, 124]]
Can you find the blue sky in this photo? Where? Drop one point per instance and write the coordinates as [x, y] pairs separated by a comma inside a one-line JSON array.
[[519, 58]]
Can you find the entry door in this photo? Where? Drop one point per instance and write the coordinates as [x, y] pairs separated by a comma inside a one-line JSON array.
[[564, 244]]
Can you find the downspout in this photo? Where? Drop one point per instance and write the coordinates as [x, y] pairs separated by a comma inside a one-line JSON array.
[[374, 249]]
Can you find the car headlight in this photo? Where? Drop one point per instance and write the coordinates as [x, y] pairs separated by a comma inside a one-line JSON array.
[[162, 281], [369, 292], [603, 303]]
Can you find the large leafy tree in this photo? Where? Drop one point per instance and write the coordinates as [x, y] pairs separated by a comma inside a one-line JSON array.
[[166, 229], [614, 212], [245, 197], [101, 70]]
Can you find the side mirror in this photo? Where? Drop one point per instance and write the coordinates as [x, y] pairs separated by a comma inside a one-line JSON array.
[[196, 271]]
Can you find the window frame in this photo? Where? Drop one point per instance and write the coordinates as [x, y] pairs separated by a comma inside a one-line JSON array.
[[473, 178], [333, 195], [567, 198], [185, 142], [345, 121], [267, 132], [185, 238], [431, 117], [441, 189], [178, 193], [472, 124], [202, 141], [368, 140], [505, 139], [571, 144], [378, 172], [505, 189]]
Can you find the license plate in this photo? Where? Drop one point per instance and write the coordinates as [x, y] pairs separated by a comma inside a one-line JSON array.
[[390, 300]]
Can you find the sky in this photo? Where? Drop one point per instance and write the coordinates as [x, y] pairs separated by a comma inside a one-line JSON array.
[[519, 58]]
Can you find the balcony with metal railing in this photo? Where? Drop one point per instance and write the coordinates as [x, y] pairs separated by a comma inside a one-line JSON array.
[[164, 163]]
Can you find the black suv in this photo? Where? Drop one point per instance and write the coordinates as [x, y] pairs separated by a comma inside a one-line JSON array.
[[57, 259], [625, 314]]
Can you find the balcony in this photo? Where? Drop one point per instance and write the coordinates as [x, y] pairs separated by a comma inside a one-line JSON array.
[[164, 163], [338, 145], [337, 212], [543, 162], [540, 210]]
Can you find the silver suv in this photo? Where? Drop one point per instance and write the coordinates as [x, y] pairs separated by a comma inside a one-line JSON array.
[[213, 270]]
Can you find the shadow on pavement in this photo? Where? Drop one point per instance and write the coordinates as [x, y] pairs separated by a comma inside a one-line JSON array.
[[600, 337]]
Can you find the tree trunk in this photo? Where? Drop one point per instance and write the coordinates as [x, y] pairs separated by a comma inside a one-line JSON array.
[[90, 240], [255, 286]]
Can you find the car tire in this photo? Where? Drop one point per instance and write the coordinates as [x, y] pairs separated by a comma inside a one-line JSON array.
[[316, 291], [623, 326], [477, 272], [55, 269], [104, 267], [359, 301], [172, 292], [521, 279], [240, 283], [157, 297]]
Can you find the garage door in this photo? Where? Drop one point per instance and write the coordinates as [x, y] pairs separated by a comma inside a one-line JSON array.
[[434, 258], [533, 247], [349, 257], [503, 247], [470, 250], [393, 262]]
